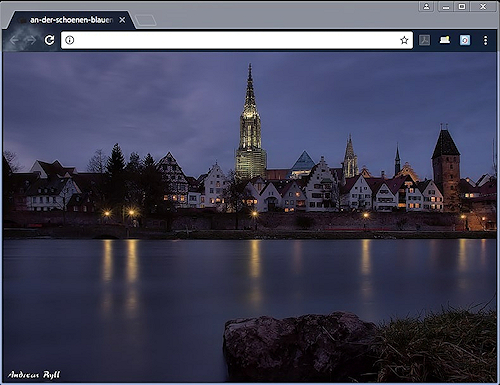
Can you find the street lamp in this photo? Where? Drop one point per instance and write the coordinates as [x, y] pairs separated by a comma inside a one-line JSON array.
[[365, 217], [464, 218], [106, 214], [254, 216]]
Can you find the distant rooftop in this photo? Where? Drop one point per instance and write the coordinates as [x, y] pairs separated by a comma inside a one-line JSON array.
[[303, 163]]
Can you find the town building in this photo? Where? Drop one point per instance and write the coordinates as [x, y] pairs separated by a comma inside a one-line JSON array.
[[175, 180], [53, 188], [446, 168], [414, 198], [213, 187], [356, 194], [251, 159], [270, 198], [293, 197], [432, 197], [321, 189], [383, 198]]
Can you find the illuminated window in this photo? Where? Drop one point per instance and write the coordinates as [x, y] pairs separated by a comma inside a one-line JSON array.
[[165, 197], [297, 194], [182, 198]]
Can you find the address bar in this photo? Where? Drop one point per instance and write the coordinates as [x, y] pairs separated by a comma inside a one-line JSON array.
[[238, 40]]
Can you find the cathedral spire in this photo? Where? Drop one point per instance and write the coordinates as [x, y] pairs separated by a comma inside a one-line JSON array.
[[350, 165], [251, 159], [250, 96], [349, 151]]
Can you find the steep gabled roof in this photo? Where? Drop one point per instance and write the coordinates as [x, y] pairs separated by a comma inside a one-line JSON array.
[[54, 169], [349, 184], [395, 184], [375, 184], [489, 188], [281, 185], [87, 180], [445, 145], [423, 185], [466, 187], [201, 178]]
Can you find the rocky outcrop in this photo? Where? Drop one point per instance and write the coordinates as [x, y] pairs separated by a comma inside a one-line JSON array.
[[310, 348]]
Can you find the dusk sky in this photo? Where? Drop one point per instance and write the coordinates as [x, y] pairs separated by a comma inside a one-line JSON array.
[[66, 105]]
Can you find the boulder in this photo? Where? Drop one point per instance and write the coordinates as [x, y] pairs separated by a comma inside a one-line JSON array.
[[312, 348]]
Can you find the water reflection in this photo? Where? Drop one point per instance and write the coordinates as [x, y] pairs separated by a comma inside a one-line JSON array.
[[366, 266], [107, 276], [462, 255], [255, 258], [132, 260], [297, 258], [131, 305], [255, 273], [366, 270], [483, 253], [107, 268]]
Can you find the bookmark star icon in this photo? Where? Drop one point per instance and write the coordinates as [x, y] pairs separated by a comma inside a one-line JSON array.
[[404, 40]]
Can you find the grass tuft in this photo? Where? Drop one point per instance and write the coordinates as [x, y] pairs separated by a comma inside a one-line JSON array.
[[450, 346]]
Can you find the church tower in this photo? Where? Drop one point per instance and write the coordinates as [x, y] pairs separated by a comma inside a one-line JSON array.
[[446, 167], [397, 162], [251, 159], [350, 164]]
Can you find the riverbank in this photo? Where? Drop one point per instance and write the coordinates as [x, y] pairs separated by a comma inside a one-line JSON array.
[[121, 232], [455, 345]]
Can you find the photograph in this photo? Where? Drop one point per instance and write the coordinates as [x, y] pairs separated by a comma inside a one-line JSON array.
[[249, 216]]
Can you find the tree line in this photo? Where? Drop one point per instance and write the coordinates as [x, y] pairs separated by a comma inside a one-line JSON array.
[[137, 183]]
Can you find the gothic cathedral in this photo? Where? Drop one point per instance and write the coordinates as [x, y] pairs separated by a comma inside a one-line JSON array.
[[350, 164], [446, 167], [251, 159]]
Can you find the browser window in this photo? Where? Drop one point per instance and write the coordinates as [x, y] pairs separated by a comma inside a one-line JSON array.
[[232, 191]]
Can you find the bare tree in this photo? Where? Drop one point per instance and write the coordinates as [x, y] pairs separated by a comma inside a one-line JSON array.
[[98, 162], [235, 194], [13, 161]]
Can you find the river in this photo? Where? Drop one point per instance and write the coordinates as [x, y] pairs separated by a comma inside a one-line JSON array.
[[154, 311]]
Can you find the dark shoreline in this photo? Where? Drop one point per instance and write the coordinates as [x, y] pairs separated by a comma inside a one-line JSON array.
[[118, 232]]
